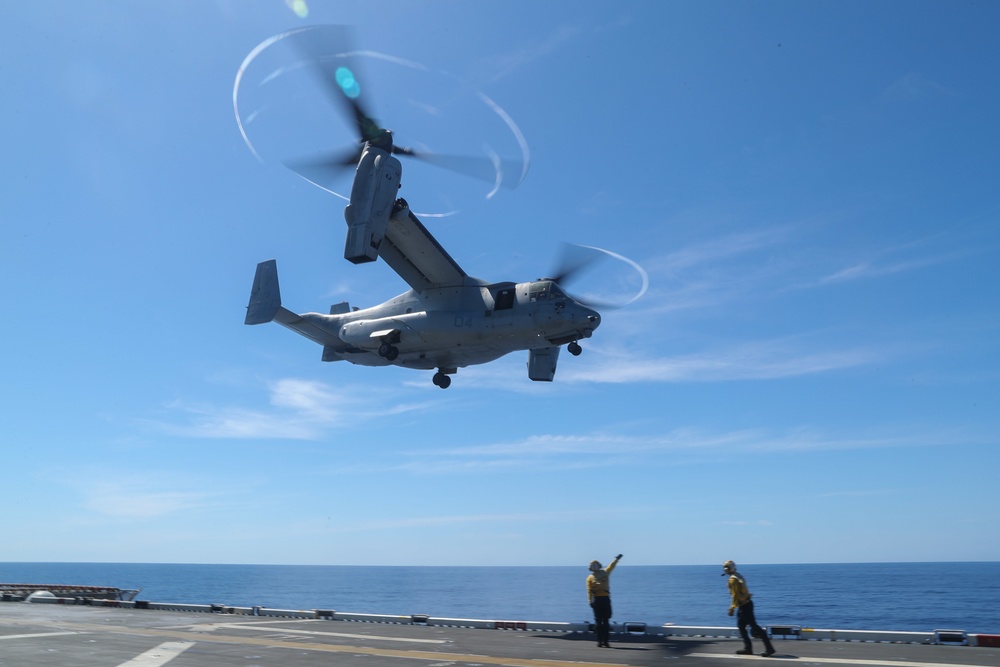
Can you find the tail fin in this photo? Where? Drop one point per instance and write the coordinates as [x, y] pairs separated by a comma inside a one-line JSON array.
[[265, 297]]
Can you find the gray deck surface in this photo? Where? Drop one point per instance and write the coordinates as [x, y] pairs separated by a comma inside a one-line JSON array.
[[81, 636]]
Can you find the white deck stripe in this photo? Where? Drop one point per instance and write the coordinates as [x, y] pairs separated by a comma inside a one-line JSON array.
[[161, 655], [828, 661], [365, 637], [38, 634], [267, 625]]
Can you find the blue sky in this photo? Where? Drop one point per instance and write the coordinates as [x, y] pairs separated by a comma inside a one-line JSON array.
[[812, 376]]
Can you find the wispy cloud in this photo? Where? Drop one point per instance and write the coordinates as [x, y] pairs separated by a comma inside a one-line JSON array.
[[300, 410], [136, 492], [913, 86], [758, 522], [130, 500], [912, 256], [540, 515], [600, 445], [873, 269], [760, 360], [509, 63], [773, 261], [725, 248], [711, 273], [859, 494], [562, 451]]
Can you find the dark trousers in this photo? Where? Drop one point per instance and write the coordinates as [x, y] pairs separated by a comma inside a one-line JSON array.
[[602, 618], [744, 620]]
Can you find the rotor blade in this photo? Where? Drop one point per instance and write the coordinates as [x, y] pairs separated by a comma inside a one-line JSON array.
[[324, 168], [572, 260], [328, 51], [575, 258], [490, 169]]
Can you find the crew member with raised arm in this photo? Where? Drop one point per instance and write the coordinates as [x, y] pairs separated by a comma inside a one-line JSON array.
[[599, 597]]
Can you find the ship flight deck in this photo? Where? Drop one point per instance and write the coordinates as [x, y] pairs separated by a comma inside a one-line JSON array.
[[93, 633]]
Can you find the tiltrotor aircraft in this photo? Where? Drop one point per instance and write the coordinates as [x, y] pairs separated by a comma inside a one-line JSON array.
[[448, 319]]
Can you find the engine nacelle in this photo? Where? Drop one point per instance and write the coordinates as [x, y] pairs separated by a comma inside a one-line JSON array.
[[376, 184]]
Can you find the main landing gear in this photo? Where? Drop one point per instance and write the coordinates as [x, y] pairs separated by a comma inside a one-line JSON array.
[[441, 380], [387, 349]]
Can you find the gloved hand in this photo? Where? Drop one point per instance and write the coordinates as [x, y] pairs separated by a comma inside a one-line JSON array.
[[618, 557], [731, 612]]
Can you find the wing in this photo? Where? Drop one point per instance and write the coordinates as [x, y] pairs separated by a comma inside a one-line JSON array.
[[415, 255]]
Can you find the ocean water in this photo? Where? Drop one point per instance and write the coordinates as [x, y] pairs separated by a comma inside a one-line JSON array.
[[869, 596]]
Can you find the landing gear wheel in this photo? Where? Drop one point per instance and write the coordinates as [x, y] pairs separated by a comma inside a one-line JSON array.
[[388, 351], [574, 349], [441, 380]]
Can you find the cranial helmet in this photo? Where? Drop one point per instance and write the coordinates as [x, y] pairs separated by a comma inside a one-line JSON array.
[[595, 565], [729, 566]]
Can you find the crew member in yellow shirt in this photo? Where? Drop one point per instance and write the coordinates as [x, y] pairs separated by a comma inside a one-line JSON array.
[[599, 597], [743, 606]]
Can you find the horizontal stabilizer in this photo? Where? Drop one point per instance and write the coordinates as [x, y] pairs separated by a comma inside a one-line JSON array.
[[265, 297]]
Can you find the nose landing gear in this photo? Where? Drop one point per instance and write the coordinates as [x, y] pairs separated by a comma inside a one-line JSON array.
[[574, 349], [441, 380]]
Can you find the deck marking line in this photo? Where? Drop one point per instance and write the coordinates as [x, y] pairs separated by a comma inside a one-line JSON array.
[[829, 661], [38, 634], [209, 627], [265, 625], [439, 656], [320, 633], [159, 655]]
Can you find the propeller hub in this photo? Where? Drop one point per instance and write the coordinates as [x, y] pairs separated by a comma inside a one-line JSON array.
[[381, 139]]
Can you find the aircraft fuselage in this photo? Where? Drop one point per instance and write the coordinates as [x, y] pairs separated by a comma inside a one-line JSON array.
[[458, 326]]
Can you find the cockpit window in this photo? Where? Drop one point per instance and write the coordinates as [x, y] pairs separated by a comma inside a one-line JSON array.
[[544, 290], [538, 291]]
